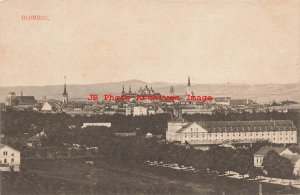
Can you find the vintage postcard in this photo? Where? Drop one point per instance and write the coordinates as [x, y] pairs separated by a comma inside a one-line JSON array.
[[150, 97]]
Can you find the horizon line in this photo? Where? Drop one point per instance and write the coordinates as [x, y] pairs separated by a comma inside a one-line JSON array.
[[166, 82]]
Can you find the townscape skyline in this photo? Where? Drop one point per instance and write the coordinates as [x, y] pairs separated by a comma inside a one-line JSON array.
[[260, 93]]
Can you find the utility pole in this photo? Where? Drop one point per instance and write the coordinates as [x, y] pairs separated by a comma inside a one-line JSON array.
[[260, 189]]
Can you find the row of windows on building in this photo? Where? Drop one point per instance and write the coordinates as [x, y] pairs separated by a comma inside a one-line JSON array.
[[259, 160], [216, 135], [6, 153], [11, 160], [249, 128], [274, 139]]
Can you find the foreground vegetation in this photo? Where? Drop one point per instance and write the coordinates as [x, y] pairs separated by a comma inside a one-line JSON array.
[[16, 123], [73, 176], [130, 154]]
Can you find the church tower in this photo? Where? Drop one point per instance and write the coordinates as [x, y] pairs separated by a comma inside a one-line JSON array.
[[172, 91], [123, 91], [65, 94], [189, 91]]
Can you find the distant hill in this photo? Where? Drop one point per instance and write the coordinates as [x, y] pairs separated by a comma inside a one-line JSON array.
[[260, 93]]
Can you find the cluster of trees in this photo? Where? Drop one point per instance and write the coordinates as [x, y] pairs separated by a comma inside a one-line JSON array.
[[220, 159], [16, 123], [278, 166], [136, 150]]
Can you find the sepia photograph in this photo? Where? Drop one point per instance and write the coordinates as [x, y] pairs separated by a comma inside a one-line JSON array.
[[150, 97]]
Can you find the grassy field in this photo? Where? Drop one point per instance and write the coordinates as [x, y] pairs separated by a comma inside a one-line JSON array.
[[75, 177]]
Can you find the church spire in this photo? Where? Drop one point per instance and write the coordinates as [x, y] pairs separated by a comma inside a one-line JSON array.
[[65, 87], [189, 91], [129, 88], [123, 90], [172, 90], [65, 94], [189, 82]]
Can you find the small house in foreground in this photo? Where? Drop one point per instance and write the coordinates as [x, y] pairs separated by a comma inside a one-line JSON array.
[[10, 158], [261, 153]]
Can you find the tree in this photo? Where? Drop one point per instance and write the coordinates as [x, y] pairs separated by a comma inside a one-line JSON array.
[[219, 158], [242, 162], [254, 172], [278, 166]]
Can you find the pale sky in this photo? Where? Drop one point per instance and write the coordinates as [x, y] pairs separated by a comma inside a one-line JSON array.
[[93, 41]]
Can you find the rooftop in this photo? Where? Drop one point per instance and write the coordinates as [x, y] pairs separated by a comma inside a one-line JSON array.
[[264, 150], [238, 126]]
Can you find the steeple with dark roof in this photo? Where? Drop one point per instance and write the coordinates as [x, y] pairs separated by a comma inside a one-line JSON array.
[[65, 88], [172, 90], [123, 90], [189, 91], [65, 93]]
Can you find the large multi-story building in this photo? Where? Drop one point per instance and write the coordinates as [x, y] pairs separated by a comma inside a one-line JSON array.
[[13, 100], [218, 132], [142, 91], [225, 101], [197, 111]]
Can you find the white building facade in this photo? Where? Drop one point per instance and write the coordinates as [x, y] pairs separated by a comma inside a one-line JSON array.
[[10, 158], [261, 153], [84, 125], [217, 132], [47, 107], [140, 111]]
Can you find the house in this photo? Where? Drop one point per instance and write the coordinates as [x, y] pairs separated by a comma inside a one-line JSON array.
[[36, 140], [159, 110], [225, 101], [140, 111], [128, 111], [109, 111], [47, 107], [84, 125], [241, 103], [114, 107], [121, 111], [261, 153], [123, 134], [51, 106], [196, 111], [74, 113], [151, 111], [10, 158]]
